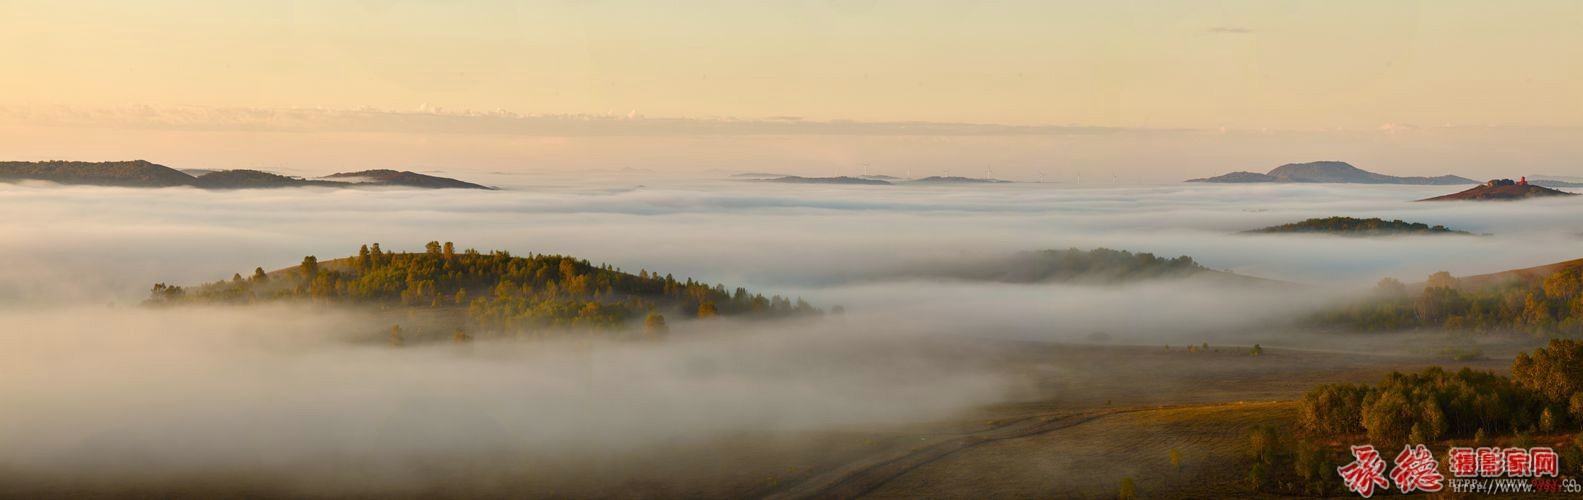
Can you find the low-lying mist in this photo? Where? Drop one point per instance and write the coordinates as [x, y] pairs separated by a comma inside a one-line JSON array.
[[96, 386], [288, 390], [102, 244]]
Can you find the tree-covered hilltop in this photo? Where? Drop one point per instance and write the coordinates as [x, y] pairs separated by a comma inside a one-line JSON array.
[[1102, 265], [136, 173], [141, 173], [494, 291], [1546, 304], [1352, 226]]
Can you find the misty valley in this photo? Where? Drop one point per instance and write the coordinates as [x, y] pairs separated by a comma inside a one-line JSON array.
[[691, 337], [877, 249]]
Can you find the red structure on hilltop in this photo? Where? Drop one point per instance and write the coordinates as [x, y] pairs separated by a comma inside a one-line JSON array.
[[1523, 181]]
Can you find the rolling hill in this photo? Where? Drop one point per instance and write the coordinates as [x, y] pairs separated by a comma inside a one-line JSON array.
[[1351, 226], [1527, 275], [135, 173], [141, 173], [254, 179], [486, 292], [1099, 266], [1501, 190], [1540, 301], [951, 179], [793, 179], [1336, 172], [404, 178]]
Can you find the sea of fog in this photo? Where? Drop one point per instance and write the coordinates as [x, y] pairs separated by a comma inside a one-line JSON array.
[[93, 385], [110, 244]]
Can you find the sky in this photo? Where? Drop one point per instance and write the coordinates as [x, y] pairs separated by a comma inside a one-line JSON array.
[[1148, 90]]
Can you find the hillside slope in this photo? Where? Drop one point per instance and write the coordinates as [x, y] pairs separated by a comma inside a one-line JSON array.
[[404, 178], [1501, 190], [135, 173], [255, 179]]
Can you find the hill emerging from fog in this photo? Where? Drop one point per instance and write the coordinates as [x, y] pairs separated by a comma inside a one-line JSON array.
[[404, 178], [140, 173], [794, 179], [254, 179], [1532, 275], [1099, 266], [1501, 190], [951, 179], [1351, 226], [1541, 301], [878, 180], [493, 292], [136, 173], [1337, 172]]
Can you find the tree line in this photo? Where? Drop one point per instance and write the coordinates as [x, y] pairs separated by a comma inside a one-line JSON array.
[[1551, 306], [1358, 226], [1543, 396]]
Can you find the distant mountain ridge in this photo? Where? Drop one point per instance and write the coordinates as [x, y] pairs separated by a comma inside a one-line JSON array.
[[1335, 172], [141, 173], [793, 179], [878, 180], [1553, 183], [952, 179]]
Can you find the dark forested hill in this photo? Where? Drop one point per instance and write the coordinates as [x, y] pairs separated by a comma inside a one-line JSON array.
[[136, 173], [404, 178], [1351, 226], [493, 291], [139, 173], [1100, 266], [254, 179]]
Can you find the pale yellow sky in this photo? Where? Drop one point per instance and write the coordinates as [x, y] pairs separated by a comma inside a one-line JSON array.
[[1277, 64], [1291, 67]]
